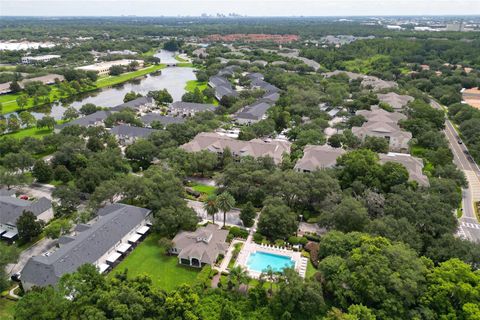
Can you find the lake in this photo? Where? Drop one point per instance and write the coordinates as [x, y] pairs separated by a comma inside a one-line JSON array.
[[173, 79]]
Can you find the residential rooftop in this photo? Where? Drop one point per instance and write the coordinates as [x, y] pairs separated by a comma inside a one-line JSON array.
[[214, 142], [318, 157], [88, 246]]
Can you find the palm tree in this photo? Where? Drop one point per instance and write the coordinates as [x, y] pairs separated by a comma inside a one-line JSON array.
[[225, 203], [270, 275], [238, 276], [211, 206]]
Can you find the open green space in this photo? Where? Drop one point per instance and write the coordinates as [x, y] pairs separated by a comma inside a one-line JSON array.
[[6, 309], [9, 101], [149, 259], [30, 132], [202, 188], [178, 58], [193, 84], [113, 80]]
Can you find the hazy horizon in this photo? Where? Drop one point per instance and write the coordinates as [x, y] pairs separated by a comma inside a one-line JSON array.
[[259, 8]]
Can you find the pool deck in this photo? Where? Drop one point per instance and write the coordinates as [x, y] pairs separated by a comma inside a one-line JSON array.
[[251, 247]]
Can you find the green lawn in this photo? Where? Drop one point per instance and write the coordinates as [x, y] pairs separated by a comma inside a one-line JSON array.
[[112, 80], [10, 104], [202, 188], [178, 58], [310, 270], [164, 271], [193, 84], [30, 132], [6, 309]]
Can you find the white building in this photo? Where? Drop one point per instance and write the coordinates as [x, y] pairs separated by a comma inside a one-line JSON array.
[[39, 59], [103, 68]]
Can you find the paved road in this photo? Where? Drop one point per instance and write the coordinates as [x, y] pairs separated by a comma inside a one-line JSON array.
[[469, 226], [38, 248]]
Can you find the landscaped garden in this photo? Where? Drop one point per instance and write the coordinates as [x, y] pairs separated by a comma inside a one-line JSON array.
[[149, 259]]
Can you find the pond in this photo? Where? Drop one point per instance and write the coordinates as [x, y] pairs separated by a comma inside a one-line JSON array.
[[173, 79]]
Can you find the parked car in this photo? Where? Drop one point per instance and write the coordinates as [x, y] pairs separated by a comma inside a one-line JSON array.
[[24, 197], [460, 142]]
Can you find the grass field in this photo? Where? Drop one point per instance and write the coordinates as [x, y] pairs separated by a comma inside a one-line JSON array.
[[30, 132], [207, 190], [164, 271], [6, 309], [193, 84], [9, 102]]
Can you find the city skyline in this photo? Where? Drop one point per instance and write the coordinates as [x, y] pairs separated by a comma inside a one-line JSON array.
[[246, 8]]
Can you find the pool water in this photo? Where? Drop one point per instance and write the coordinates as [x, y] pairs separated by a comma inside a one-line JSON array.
[[259, 261]]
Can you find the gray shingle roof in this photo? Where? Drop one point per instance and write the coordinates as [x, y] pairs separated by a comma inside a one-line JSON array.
[[197, 107], [149, 118], [255, 111], [205, 243], [88, 120], [113, 224], [12, 208], [124, 130], [134, 104]]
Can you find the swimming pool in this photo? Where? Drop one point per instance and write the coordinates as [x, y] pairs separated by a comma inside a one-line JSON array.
[[259, 261]]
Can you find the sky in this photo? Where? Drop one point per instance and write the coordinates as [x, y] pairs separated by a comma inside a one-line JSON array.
[[243, 7]]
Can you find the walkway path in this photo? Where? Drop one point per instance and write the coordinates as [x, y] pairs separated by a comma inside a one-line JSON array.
[[228, 256], [12, 294]]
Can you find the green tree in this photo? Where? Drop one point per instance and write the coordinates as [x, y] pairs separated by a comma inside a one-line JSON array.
[[132, 95], [277, 220], [42, 171], [69, 198], [46, 122], [57, 228], [28, 226], [376, 144], [225, 202], [452, 289], [70, 114], [211, 206], [349, 215], [27, 119], [247, 214], [13, 123], [88, 108], [22, 101], [116, 70]]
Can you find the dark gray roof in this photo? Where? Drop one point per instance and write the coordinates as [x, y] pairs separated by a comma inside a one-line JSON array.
[[131, 131], [6, 192], [222, 91], [198, 107], [113, 224], [255, 75], [12, 208], [88, 120], [271, 96], [134, 104], [254, 111], [216, 81], [165, 120], [264, 85]]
